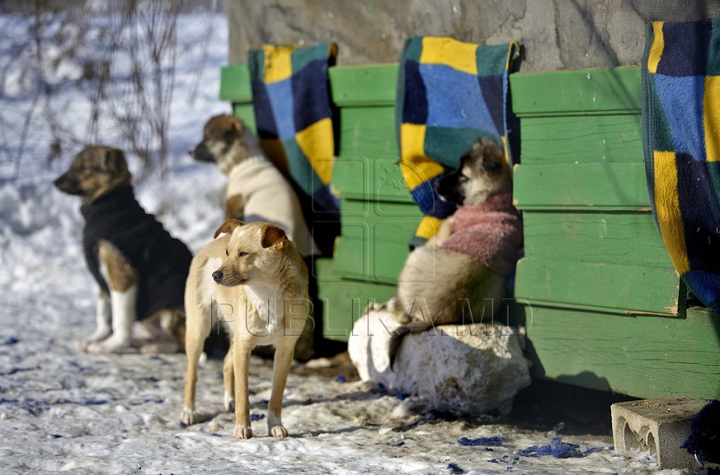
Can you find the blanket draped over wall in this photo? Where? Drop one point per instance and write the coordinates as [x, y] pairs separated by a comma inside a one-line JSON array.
[[449, 94], [681, 138], [292, 104]]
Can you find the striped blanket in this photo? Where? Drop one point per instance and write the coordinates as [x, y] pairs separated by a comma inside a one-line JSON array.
[[449, 94], [291, 100], [681, 134]]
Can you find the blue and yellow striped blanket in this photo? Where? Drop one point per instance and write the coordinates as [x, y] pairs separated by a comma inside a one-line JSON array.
[[292, 104], [681, 134]]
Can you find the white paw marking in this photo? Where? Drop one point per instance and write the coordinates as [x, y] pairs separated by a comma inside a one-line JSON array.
[[242, 432]]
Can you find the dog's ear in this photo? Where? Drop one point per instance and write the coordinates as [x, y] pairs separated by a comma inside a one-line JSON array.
[[493, 157], [235, 130], [273, 236], [227, 227], [115, 160]]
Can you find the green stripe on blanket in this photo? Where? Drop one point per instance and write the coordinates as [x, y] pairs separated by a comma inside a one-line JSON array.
[[449, 94], [681, 135]]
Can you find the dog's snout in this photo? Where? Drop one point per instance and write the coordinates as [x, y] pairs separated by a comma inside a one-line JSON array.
[[217, 276]]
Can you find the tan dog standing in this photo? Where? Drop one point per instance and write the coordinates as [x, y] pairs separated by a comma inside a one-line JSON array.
[[256, 279]]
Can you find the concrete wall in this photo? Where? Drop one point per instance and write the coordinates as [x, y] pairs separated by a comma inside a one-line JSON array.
[[556, 34]]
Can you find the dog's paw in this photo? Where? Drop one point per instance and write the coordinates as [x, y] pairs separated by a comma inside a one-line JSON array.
[[242, 432], [95, 348], [277, 431], [189, 416], [82, 345], [229, 403], [111, 345]]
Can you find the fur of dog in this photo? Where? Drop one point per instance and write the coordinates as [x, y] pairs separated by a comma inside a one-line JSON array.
[[255, 279], [256, 191], [440, 286], [136, 263]]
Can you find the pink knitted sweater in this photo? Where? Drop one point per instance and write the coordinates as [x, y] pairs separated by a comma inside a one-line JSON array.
[[490, 233]]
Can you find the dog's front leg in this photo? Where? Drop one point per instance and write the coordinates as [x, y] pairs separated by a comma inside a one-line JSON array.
[[123, 318], [229, 380], [122, 279], [103, 317], [241, 358], [281, 368]]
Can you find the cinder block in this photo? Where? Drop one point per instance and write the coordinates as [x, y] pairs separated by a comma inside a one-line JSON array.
[[658, 425]]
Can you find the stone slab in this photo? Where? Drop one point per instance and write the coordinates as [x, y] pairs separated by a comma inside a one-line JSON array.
[[657, 425], [471, 368]]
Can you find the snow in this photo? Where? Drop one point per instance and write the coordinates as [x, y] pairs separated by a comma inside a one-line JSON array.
[[63, 410]]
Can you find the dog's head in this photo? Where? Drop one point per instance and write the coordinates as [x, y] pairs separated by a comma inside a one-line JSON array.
[[483, 171], [94, 172], [255, 253], [226, 142]]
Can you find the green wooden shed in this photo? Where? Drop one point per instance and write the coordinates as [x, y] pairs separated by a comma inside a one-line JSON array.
[[596, 291], [600, 300]]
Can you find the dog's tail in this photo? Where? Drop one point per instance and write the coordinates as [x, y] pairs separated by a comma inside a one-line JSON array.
[[397, 337]]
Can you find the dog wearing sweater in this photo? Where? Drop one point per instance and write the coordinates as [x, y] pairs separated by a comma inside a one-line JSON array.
[[459, 275], [256, 190], [140, 268]]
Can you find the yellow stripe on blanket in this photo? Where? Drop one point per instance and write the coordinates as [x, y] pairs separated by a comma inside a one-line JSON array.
[[450, 52], [656, 50], [667, 206], [316, 142], [278, 66], [428, 227], [711, 118], [415, 166]]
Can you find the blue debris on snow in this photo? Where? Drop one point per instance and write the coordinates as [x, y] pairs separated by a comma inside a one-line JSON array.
[[340, 379], [557, 449], [454, 468], [10, 341], [494, 441], [256, 417]]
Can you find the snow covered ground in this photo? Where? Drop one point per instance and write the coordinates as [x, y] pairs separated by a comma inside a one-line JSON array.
[[63, 410]]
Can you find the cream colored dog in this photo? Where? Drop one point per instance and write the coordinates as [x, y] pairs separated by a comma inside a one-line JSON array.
[[256, 190], [254, 278]]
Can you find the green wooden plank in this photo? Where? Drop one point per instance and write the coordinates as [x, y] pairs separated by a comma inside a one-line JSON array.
[[374, 179], [372, 85], [344, 300], [396, 230], [646, 357], [613, 286], [620, 186], [235, 83], [581, 139], [596, 91], [352, 258], [380, 221], [611, 238], [368, 132], [247, 114], [369, 260]]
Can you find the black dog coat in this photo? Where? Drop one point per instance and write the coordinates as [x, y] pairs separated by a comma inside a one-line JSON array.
[[161, 260]]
